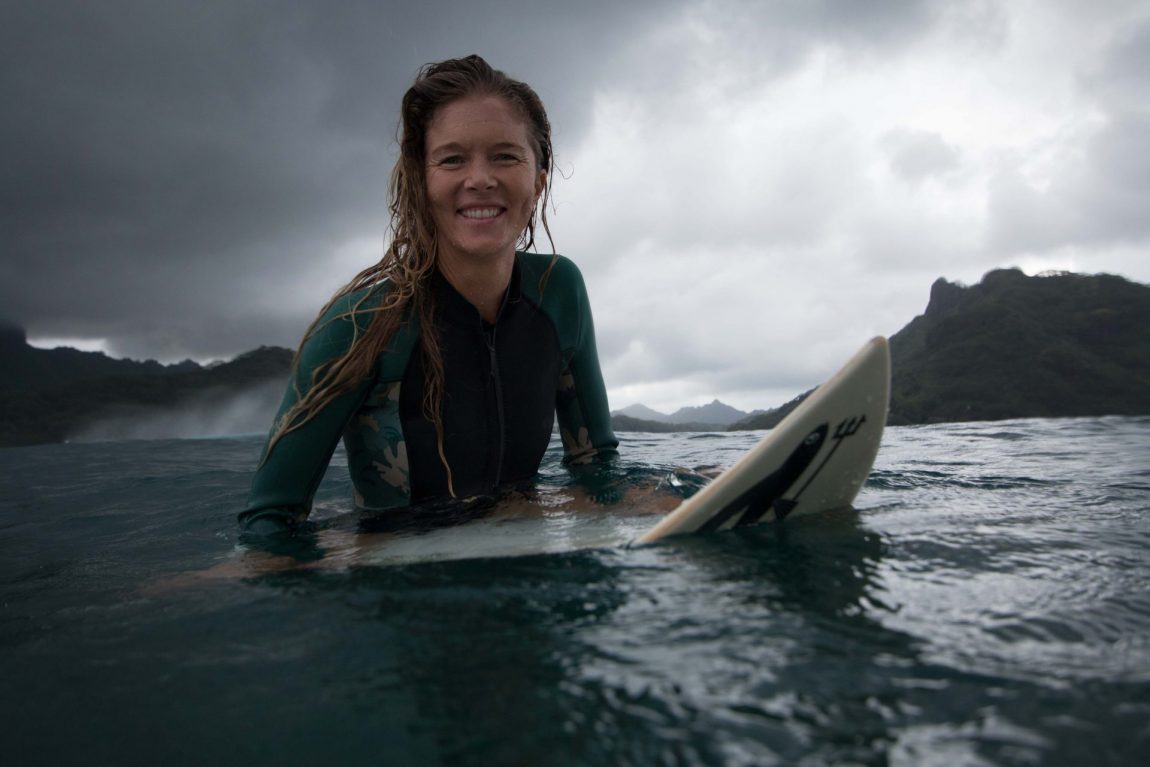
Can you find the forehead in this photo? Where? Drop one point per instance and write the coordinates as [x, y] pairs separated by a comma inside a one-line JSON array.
[[476, 119]]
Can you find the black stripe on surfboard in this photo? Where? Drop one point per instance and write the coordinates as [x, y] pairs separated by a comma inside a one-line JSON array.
[[754, 502]]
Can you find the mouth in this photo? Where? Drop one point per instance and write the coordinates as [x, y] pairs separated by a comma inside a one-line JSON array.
[[481, 214]]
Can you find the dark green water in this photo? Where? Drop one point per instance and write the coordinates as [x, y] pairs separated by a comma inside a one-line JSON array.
[[987, 604]]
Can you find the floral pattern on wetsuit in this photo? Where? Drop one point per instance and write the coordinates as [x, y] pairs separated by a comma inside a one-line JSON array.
[[377, 453], [572, 429]]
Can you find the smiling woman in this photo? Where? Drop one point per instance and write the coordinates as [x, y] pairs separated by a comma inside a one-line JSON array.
[[444, 366], [483, 182]]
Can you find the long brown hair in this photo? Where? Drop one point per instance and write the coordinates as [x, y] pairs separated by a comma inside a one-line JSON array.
[[409, 260]]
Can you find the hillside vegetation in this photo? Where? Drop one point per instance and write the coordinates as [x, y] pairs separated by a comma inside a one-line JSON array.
[[1014, 346], [56, 394], [1011, 346]]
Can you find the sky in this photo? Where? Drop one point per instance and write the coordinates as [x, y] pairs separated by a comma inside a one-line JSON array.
[[752, 189]]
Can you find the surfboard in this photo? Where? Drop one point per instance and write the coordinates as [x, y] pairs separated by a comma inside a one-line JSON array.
[[814, 460]]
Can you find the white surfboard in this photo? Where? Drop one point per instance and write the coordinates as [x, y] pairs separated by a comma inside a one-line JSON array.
[[815, 460]]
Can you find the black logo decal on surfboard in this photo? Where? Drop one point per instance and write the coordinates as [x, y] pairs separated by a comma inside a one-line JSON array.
[[768, 492], [848, 427], [755, 502]]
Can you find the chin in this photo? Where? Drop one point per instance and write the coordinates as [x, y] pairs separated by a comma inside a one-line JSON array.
[[486, 251]]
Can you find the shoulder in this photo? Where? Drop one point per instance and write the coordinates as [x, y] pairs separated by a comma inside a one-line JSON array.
[[555, 285], [356, 306], [538, 263], [548, 278], [346, 317]]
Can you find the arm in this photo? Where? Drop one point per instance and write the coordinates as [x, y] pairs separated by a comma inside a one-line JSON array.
[[287, 478], [581, 401]]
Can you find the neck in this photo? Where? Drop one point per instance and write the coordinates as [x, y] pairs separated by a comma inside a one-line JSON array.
[[482, 282]]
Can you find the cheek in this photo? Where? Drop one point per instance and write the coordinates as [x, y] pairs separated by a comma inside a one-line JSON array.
[[434, 192], [442, 210], [440, 187]]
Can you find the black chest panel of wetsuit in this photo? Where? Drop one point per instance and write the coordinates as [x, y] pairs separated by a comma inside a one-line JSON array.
[[500, 383]]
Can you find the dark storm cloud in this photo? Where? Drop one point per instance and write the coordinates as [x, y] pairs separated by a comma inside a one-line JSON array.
[[172, 169], [793, 26], [165, 160]]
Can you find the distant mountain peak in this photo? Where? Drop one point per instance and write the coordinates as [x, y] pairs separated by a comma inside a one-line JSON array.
[[643, 412], [715, 412]]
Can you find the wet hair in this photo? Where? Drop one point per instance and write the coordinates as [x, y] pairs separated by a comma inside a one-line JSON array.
[[398, 286]]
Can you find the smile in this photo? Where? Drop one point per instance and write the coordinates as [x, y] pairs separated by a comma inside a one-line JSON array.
[[480, 213]]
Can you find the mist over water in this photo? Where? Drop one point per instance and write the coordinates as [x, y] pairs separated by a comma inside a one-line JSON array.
[[985, 604], [217, 413]]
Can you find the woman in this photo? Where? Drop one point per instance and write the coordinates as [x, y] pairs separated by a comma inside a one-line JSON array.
[[444, 365]]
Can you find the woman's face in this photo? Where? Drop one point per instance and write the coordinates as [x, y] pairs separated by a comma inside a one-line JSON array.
[[482, 178]]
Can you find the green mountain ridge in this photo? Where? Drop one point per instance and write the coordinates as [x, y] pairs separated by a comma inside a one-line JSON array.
[[1011, 346], [62, 393]]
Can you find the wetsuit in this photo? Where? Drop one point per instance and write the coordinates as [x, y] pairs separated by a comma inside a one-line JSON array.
[[504, 384]]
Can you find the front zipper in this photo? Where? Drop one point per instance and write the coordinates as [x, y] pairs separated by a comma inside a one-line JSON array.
[[489, 336]]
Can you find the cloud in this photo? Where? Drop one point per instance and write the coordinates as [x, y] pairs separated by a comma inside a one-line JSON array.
[[764, 220], [752, 188], [1094, 195], [171, 166], [919, 155]]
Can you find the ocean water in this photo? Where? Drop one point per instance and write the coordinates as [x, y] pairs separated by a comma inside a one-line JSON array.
[[986, 603]]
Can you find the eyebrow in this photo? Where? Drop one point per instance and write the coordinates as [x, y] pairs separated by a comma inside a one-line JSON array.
[[455, 146]]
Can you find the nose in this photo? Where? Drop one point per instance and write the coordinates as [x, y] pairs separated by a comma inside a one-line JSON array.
[[480, 175]]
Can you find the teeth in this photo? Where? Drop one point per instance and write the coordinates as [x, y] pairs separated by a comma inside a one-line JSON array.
[[480, 212]]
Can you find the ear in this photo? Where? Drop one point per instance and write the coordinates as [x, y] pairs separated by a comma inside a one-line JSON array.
[[540, 184]]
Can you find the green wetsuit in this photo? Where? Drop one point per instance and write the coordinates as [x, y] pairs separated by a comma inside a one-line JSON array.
[[504, 384]]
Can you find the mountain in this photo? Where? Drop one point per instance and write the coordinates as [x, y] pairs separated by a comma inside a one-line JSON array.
[[28, 368], [1013, 346], [642, 413], [768, 419], [714, 413], [52, 395], [1055, 345], [699, 418]]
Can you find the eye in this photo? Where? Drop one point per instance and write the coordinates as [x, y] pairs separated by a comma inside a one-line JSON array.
[[450, 161], [507, 158]]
